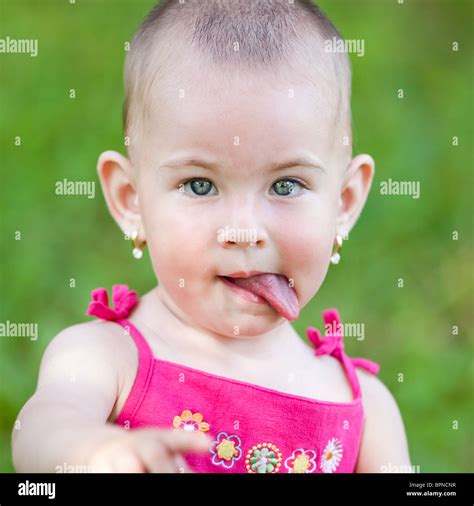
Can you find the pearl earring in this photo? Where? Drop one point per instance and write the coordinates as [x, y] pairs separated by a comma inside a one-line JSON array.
[[138, 246], [335, 257]]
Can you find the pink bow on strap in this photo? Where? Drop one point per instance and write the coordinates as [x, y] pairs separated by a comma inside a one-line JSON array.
[[367, 364], [333, 343], [123, 298], [333, 334]]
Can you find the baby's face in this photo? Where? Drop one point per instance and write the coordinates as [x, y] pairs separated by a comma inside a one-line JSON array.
[[197, 231]]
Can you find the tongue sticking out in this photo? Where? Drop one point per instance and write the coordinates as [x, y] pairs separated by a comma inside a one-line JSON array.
[[274, 288]]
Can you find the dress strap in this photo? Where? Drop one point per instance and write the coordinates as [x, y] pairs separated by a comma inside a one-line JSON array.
[[124, 301], [333, 344]]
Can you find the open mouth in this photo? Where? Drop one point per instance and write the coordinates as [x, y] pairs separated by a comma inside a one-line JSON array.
[[274, 289]]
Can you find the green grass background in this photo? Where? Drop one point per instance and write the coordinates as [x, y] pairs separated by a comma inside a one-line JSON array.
[[408, 330]]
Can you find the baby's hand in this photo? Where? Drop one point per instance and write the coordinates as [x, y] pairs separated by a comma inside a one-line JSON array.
[[147, 450]]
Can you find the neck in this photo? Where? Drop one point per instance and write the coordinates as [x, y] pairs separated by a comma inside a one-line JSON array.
[[178, 331]]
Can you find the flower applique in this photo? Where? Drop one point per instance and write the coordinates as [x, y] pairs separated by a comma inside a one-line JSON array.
[[190, 422], [331, 456], [263, 458], [226, 450], [301, 461]]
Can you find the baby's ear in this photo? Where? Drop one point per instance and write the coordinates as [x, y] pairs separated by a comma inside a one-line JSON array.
[[355, 188], [116, 175]]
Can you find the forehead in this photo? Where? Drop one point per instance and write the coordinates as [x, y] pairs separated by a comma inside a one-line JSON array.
[[242, 121]]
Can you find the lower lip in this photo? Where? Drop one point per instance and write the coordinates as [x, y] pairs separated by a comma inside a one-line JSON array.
[[245, 294]]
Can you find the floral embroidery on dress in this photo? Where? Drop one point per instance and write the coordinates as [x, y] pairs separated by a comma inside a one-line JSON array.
[[301, 461], [263, 458], [332, 455], [226, 450], [190, 422]]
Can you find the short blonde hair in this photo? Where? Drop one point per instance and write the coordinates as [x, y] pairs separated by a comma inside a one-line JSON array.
[[271, 35]]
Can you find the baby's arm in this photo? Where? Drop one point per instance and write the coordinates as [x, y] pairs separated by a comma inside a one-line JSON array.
[[384, 445], [65, 422]]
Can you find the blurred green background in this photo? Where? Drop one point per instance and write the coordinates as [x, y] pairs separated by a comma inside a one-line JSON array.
[[408, 330]]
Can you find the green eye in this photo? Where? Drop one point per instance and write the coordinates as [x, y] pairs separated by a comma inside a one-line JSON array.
[[200, 187], [203, 187], [286, 187]]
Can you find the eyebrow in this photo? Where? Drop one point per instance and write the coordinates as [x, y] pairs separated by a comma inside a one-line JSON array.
[[195, 162]]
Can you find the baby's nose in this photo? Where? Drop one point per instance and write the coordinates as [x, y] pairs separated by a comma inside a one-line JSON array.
[[246, 237]]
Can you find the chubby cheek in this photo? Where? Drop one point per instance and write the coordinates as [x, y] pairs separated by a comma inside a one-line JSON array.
[[178, 249], [305, 248]]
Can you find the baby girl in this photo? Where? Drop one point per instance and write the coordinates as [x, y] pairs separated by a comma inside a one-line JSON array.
[[240, 184]]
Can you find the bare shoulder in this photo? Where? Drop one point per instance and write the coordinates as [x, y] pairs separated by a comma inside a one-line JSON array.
[[384, 446], [86, 362], [373, 389], [378, 400], [88, 342]]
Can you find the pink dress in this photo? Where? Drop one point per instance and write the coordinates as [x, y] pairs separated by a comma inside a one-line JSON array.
[[254, 429]]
